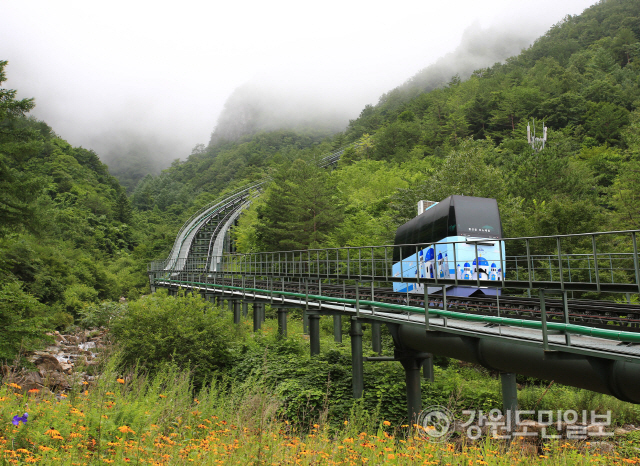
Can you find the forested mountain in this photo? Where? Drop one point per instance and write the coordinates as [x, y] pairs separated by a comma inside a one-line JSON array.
[[254, 108], [67, 229], [70, 237], [581, 79]]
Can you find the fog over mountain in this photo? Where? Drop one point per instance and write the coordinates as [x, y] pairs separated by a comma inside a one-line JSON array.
[[142, 85], [268, 104]]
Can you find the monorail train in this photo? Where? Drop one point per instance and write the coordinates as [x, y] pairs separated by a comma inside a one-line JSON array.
[[473, 224]]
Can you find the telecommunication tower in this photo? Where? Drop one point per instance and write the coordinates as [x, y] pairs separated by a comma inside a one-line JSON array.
[[535, 142]]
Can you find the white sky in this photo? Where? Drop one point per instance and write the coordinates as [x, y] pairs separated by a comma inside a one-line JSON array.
[[164, 70]]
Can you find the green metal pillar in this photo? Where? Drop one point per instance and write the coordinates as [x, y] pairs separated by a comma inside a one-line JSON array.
[[263, 312], [376, 337], [282, 322], [230, 304], [314, 334], [427, 368], [356, 358], [305, 322], [412, 367], [245, 309], [236, 311], [509, 395], [337, 328]]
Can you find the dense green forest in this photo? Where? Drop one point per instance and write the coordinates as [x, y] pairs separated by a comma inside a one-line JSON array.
[[70, 236]]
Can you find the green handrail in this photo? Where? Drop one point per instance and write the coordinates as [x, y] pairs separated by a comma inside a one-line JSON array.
[[629, 337]]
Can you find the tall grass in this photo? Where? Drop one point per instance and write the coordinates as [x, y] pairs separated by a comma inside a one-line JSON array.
[[133, 418]]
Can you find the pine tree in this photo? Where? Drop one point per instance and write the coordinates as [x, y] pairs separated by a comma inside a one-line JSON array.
[[122, 210], [299, 209], [18, 190]]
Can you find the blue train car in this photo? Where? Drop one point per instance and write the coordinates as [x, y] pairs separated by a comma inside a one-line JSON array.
[[473, 224]]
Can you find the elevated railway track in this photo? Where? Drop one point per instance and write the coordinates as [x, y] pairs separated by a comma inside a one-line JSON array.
[[529, 324]]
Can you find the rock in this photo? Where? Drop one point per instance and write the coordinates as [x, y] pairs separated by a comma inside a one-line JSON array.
[[621, 431], [48, 363], [59, 381], [67, 368], [596, 428], [31, 380], [86, 346]]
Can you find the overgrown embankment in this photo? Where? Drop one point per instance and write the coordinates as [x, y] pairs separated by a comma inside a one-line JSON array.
[[184, 384]]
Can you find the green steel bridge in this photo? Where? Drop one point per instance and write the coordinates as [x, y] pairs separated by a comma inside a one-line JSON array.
[[533, 327]]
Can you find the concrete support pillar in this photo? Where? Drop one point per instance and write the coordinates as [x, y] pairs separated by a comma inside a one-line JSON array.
[[305, 322], [427, 368], [376, 338], [509, 395], [236, 311], [282, 322], [245, 309], [314, 334], [257, 320], [230, 304], [263, 312], [412, 366], [357, 368], [337, 328]]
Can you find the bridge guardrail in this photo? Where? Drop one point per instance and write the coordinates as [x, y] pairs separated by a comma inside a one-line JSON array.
[[592, 265]]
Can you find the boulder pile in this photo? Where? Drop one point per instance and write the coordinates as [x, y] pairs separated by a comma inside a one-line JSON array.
[[72, 360]]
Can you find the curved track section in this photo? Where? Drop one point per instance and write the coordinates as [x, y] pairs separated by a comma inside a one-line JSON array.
[[210, 225], [183, 245]]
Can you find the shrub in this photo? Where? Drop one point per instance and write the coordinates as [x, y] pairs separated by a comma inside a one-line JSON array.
[[78, 295], [23, 324], [185, 330], [100, 315]]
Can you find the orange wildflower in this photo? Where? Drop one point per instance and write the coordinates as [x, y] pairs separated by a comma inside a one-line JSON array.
[[126, 429], [120, 380]]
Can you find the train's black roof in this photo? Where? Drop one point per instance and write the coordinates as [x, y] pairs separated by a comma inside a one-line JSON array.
[[477, 217]]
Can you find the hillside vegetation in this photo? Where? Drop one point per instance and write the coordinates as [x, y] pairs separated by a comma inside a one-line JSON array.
[[70, 237], [72, 242], [581, 80]]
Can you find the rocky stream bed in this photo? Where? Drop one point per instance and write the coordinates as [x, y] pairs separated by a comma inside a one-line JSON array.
[[70, 361]]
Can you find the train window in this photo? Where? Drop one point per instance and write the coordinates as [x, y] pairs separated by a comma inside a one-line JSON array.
[[478, 217]]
